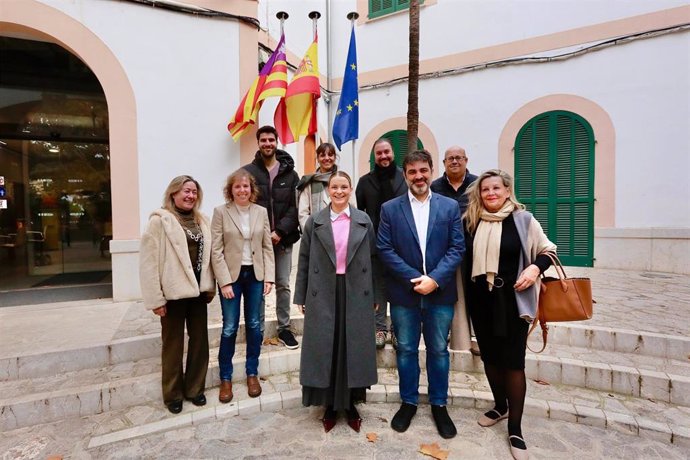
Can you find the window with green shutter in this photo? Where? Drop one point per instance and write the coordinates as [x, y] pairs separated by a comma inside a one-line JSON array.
[[382, 7], [554, 178], [398, 140]]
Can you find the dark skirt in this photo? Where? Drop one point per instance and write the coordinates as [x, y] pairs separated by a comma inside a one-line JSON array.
[[337, 394], [501, 333]]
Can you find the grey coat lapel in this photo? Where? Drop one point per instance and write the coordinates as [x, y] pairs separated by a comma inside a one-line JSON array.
[[358, 233], [324, 232]]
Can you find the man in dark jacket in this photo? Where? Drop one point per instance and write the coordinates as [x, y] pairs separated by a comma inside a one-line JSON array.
[[456, 177], [384, 183], [453, 184], [274, 171]]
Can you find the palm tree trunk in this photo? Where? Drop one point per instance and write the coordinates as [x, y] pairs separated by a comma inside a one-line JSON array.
[[413, 81]]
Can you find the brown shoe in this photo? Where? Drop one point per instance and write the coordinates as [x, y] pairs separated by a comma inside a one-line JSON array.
[[225, 395], [253, 386]]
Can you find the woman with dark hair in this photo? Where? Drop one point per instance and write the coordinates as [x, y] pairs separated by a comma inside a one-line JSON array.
[[312, 195], [506, 251], [242, 259], [337, 290], [176, 284]]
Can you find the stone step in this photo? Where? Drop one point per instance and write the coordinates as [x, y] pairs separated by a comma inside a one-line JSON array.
[[92, 391], [586, 335], [639, 376], [97, 390], [648, 419], [132, 349], [119, 351]]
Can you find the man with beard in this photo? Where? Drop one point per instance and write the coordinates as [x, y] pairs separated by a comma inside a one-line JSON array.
[[421, 244], [274, 172], [384, 182]]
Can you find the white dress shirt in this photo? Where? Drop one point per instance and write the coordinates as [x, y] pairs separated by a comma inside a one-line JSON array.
[[420, 212]]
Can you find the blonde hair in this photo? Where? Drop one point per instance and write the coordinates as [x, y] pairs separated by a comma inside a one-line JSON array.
[[475, 205], [175, 186], [234, 177]]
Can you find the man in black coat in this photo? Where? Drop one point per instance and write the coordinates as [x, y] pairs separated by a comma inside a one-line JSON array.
[[383, 183], [274, 171], [456, 177], [453, 184]]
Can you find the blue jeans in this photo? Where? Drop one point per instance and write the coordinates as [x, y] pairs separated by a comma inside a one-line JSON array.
[[409, 323], [252, 290]]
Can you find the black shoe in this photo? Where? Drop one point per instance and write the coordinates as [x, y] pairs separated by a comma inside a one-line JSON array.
[[444, 424], [175, 407], [199, 400], [288, 339], [402, 418]]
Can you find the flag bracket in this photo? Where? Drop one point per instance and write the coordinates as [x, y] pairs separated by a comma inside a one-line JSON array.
[[353, 16]]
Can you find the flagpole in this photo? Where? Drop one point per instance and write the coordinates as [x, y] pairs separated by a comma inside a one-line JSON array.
[[352, 16], [310, 140], [282, 16]]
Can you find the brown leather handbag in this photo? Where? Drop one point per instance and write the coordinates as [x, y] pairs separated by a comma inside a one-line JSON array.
[[562, 299]]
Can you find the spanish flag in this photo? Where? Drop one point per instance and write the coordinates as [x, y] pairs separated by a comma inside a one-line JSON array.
[[271, 82], [296, 112]]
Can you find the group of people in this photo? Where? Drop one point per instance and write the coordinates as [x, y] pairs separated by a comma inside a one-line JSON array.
[[435, 252]]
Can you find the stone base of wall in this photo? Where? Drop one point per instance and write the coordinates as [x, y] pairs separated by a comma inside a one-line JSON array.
[[651, 249], [125, 260]]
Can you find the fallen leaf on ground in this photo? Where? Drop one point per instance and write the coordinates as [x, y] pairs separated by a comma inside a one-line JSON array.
[[433, 450], [541, 382], [372, 437], [271, 341], [54, 457]]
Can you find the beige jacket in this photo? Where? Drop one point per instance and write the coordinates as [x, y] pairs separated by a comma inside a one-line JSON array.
[[165, 271], [226, 252]]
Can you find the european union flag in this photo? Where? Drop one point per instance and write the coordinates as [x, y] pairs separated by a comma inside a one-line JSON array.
[[346, 124]]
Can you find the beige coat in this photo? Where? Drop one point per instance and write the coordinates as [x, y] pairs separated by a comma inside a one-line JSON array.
[[165, 270], [226, 252]]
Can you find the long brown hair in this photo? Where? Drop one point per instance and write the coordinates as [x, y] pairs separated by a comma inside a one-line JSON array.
[[475, 205], [175, 186]]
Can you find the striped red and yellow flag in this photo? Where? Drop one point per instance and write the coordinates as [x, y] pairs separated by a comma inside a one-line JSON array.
[[296, 113], [271, 82]]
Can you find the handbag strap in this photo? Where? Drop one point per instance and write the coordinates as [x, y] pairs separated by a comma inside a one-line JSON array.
[[544, 332]]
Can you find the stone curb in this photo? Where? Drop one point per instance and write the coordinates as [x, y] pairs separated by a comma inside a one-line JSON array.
[[274, 402], [101, 397]]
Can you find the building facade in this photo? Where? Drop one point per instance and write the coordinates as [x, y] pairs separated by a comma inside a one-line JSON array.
[[586, 103]]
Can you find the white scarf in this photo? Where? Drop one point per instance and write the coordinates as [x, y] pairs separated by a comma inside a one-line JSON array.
[[487, 243]]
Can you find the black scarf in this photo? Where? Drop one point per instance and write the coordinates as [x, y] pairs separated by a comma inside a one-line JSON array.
[[384, 176]]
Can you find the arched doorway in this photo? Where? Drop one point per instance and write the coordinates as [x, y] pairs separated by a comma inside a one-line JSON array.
[[554, 178], [398, 140], [56, 215]]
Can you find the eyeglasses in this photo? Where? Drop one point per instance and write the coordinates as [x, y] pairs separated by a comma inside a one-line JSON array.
[[454, 159]]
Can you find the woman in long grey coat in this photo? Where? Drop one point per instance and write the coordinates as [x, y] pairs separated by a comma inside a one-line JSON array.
[[337, 290]]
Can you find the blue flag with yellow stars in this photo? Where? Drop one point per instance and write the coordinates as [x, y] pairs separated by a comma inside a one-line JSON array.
[[346, 123]]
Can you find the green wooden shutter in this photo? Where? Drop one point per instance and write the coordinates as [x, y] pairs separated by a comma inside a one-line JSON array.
[[554, 178], [398, 140], [382, 7]]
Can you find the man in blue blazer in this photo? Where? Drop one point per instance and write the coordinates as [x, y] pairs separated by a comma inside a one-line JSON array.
[[421, 286]]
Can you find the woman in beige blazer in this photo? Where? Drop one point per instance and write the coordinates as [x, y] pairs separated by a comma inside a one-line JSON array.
[[242, 258]]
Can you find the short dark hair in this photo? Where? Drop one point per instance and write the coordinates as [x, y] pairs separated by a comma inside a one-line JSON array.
[[325, 146], [382, 139], [417, 155], [266, 129]]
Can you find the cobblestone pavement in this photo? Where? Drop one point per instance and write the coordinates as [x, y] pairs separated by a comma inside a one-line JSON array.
[[297, 434]]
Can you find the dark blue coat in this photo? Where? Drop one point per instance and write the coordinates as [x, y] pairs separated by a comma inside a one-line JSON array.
[[401, 256]]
